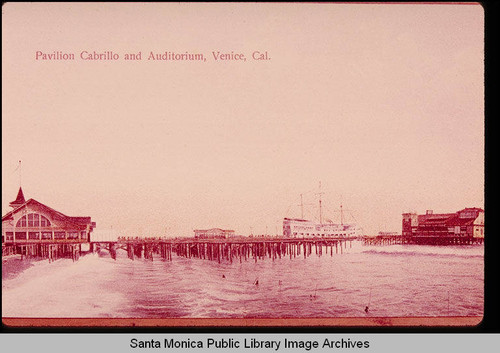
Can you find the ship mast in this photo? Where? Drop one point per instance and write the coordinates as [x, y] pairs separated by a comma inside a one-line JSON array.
[[302, 204], [341, 212], [320, 210], [301, 207]]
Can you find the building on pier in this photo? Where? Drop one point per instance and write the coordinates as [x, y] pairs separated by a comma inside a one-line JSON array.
[[32, 221], [213, 233], [467, 223], [301, 228]]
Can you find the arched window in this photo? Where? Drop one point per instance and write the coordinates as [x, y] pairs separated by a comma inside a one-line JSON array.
[[33, 220]]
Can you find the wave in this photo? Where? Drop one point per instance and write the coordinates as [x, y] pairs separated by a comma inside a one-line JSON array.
[[62, 288]]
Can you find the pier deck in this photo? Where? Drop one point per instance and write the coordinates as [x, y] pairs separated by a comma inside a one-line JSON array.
[[242, 249], [421, 240], [230, 249]]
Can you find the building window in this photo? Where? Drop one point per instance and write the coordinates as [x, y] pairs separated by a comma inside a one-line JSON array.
[[21, 222], [44, 222], [46, 235], [34, 235], [9, 235], [73, 235], [20, 235], [59, 235], [33, 220]]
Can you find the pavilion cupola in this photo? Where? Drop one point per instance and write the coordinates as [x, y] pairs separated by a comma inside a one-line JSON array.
[[19, 199]]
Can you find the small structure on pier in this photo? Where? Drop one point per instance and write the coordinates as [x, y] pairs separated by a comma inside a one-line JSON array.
[[33, 222], [213, 233], [466, 225]]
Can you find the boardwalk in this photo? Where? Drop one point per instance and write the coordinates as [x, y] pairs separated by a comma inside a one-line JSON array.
[[239, 249], [421, 240], [229, 250]]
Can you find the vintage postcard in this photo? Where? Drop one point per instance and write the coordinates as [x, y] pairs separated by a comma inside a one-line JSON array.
[[242, 164]]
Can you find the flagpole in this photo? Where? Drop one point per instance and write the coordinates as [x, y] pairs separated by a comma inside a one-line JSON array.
[[20, 175]]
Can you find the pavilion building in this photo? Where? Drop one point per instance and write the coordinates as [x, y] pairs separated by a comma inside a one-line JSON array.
[[31, 222], [213, 233]]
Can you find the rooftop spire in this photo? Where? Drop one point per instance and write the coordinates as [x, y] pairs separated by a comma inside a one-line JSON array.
[[19, 199]]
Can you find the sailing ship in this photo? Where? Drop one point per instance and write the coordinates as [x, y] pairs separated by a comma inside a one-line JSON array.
[[303, 228]]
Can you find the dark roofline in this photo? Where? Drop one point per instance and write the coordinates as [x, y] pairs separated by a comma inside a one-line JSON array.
[[205, 230], [472, 209], [296, 219], [79, 221], [437, 215]]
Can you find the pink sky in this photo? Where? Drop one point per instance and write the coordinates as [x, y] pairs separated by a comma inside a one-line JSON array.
[[384, 104]]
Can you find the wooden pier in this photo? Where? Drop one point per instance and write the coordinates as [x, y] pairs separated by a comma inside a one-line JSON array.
[[220, 250], [383, 240], [224, 250], [446, 240], [421, 240], [44, 250], [150, 248]]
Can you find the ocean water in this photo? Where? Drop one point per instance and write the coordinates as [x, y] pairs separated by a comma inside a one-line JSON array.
[[393, 281]]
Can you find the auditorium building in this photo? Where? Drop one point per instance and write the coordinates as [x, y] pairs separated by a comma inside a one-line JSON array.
[[467, 223], [31, 221]]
